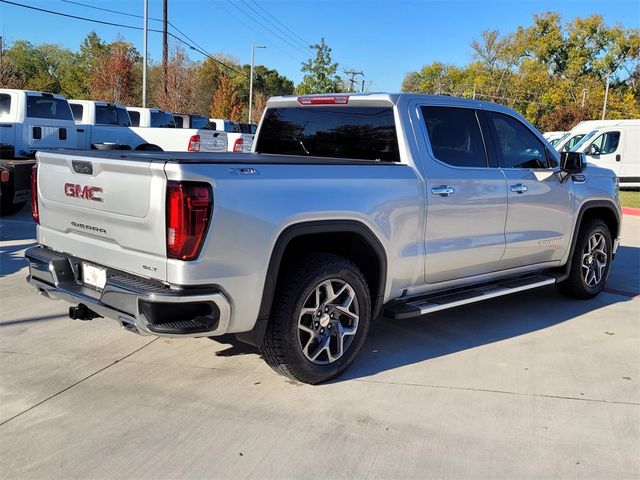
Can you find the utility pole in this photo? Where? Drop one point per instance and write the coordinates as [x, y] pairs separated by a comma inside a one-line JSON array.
[[362, 89], [606, 97], [165, 53], [352, 73], [474, 91], [253, 48], [144, 53], [584, 97]]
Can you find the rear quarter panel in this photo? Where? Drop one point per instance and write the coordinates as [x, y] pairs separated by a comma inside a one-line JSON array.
[[250, 212]]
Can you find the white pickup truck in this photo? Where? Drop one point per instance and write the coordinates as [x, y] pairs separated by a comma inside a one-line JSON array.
[[105, 125], [29, 121], [238, 142]]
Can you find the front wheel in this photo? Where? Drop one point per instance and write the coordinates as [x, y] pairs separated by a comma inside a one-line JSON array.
[[590, 262], [320, 319]]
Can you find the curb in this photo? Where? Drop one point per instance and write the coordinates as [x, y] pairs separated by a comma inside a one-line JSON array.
[[631, 211]]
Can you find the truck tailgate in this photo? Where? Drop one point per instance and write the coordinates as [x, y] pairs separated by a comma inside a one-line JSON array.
[[104, 210]]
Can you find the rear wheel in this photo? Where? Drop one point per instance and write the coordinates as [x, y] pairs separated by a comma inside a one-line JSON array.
[[590, 262], [320, 319]]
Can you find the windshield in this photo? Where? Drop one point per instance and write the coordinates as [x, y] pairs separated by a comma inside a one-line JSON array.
[[576, 147], [366, 133]]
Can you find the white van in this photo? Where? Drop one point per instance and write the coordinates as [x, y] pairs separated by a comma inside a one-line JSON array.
[[33, 121], [616, 147], [577, 133]]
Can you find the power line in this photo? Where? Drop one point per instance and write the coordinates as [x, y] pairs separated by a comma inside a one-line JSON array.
[[302, 44], [131, 27], [288, 42], [306, 43]]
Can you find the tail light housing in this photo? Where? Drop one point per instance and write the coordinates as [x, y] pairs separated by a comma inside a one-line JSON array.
[[34, 194], [237, 145], [189, 206], [4, 176], [194, 143]]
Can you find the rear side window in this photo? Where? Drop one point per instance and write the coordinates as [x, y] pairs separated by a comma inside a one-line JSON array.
[[199, 122], [135, 118], [362, 133], [606, 143], [5, 103], [517, 145], [455, 136], [48, 107], [106, 115], [76, 110], [162, 120]]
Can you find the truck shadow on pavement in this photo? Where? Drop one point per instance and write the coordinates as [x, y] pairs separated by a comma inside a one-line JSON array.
[[396, 343], [12, 259]]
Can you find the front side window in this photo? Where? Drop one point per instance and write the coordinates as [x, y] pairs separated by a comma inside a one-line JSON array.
[[605, 144], [5, 103], [135, 118], [48, 107], [572, 142], [361, 133], [162, 120], [106, 115], [517, 146], [199, 122], [455, 136]]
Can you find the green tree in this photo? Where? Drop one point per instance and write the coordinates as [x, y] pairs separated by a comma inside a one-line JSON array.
[[320, 72]]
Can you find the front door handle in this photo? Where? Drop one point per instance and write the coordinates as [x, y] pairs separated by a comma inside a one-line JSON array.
[[618, 158], [519, 188], [443, 190]]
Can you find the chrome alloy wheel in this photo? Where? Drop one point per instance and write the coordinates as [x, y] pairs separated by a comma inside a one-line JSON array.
[[594, 260], [328, 321]]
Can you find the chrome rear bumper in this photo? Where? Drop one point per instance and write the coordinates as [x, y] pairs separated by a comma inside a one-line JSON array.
[[138, 304]]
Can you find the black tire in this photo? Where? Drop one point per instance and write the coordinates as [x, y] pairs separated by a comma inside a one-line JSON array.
[[575, 285], [282, 347]]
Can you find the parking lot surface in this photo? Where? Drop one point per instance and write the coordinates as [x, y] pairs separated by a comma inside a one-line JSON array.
[[527, 386]]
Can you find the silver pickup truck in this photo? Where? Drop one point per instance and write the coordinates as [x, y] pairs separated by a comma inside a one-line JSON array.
[[349, 206]]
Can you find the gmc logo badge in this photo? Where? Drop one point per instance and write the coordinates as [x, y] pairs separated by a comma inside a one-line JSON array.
[[86, 192]]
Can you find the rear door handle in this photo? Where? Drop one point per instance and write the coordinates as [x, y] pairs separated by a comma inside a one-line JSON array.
[[519, 188], [443, 190]]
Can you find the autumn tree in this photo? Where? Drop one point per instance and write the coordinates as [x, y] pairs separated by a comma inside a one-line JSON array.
[[181, 93], [113, 78], [226, 102], [320, 72]]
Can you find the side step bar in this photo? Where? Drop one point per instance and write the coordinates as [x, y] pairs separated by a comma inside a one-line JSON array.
[[417, 306]]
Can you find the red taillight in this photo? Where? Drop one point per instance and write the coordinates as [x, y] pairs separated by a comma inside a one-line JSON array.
[[189, 207], [237, 145], [34, 194], [4, 176], [324, 100], [194, 143]]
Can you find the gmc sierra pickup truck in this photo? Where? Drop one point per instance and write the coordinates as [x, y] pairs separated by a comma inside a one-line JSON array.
[[349, 206]]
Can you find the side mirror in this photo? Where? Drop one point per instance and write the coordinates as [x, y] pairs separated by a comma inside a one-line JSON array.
[[592, 150], [572, 162]]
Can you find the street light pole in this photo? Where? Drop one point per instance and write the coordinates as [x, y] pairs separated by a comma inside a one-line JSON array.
[[144, 54], [606, 96], [253, 47]]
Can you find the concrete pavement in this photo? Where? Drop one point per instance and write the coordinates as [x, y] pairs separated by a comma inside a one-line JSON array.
[[528, 386]]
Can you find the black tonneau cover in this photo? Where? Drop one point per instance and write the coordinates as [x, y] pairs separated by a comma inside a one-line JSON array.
[[219, 158]]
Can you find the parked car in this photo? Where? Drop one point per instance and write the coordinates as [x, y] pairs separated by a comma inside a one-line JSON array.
[[190, 120], [578, 132], [616, 147], [248, 127], [105, 125], [352, 205], [29, 121], [237, 141]]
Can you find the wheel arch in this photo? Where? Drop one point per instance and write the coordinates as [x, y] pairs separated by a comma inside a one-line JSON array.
[[604, 210], [350, 238]]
